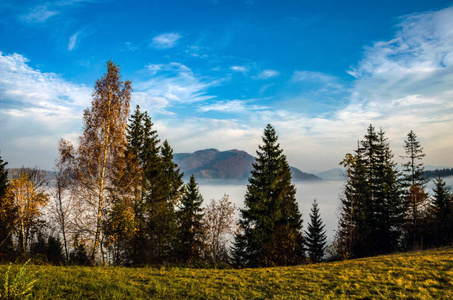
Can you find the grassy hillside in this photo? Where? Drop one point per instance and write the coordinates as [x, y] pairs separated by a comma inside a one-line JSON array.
[[415, 275]]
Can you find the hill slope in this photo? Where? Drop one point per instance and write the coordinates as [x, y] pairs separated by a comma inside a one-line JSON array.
[[414, 275], [225, 165]]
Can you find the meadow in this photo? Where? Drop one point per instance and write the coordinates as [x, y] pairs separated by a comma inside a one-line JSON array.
[[413, 275]]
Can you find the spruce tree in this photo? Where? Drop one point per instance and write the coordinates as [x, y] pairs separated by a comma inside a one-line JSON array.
[[315, 237], [389, 210], [143, 149], [352, 227], [372, 211], [162, 220], [415, 196], [190, 217], [441, 211], [271, 222], [7, 215]]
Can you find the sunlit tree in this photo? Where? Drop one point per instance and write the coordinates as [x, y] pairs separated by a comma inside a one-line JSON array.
[[28, 201], [271, 224], [100, 156]]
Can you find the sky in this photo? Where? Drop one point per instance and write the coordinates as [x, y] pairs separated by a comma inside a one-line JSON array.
[[214, 73]]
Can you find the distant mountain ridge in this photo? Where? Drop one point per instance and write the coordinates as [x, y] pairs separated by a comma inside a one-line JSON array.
[[225, 165]]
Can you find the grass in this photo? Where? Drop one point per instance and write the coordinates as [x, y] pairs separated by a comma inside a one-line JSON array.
[[413, 275]]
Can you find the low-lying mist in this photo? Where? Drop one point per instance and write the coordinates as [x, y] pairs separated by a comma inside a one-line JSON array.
[[326, 193]]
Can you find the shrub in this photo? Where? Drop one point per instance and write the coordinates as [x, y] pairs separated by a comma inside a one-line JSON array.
[[18, 286]]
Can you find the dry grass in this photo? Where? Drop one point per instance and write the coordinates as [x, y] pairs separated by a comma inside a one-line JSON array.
[[414, 275]]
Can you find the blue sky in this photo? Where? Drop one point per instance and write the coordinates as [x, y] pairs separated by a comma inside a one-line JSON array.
[[212, 74]]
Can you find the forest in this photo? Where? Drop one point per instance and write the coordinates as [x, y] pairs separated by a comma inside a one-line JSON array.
[[119, 199]]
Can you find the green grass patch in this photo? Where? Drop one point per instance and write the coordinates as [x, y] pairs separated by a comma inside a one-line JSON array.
[[413, 275]]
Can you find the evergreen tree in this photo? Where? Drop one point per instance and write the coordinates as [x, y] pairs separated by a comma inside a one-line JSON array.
[[190, 223], [8, 215], [441, 212], [415, 196], [143, 150], [315, 237], [162, 224], [54, 251], [389, 208], [372, 210], [3, 178], [271, 222]]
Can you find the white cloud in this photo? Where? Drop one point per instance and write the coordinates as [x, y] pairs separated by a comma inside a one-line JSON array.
[[241, 69], [313, 77], [165, 40], [232, 106], [224, 106], [38, 14], [169, 85], [268, 74], [43, 12], [73, 41], [401, 85], [36, 110]]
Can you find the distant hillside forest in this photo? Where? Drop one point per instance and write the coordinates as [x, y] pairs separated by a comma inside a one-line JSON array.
[[438, 173], [118, 198]]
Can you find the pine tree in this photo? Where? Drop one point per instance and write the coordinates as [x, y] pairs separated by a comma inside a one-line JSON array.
[[190, 223], [415, 196], [352, 227], [3, 178], [271, 222], [315, 237], [162, 223], [8, 214], [441, 211], [389, 208], [372, 210], [143, 150]]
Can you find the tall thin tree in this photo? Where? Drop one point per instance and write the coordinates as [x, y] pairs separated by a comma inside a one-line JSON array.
[[100, 154], [8, 214], [416, 197], [190, 215]]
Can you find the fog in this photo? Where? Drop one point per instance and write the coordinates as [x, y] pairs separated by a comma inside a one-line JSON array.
[[326, 194]]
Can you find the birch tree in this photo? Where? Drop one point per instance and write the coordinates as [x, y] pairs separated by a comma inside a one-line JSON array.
[[99, 159]]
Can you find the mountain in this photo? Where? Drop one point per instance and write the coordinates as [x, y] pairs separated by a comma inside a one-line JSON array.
[[224, 165], [332, 174]]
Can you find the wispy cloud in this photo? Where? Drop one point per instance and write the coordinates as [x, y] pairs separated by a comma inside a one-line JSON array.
[[43, 104], [170, 84], [39, 14], [43, 12], [231, 106], [401, 85], [241, 69], [73, 41], [313, 77], [165, 40], [268, 74]]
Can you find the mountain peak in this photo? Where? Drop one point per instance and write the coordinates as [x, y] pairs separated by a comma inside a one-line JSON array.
[[224, 165]]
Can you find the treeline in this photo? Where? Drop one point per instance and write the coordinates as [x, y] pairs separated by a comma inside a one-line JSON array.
[[438, 173], [384, 210], [118, 198]]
